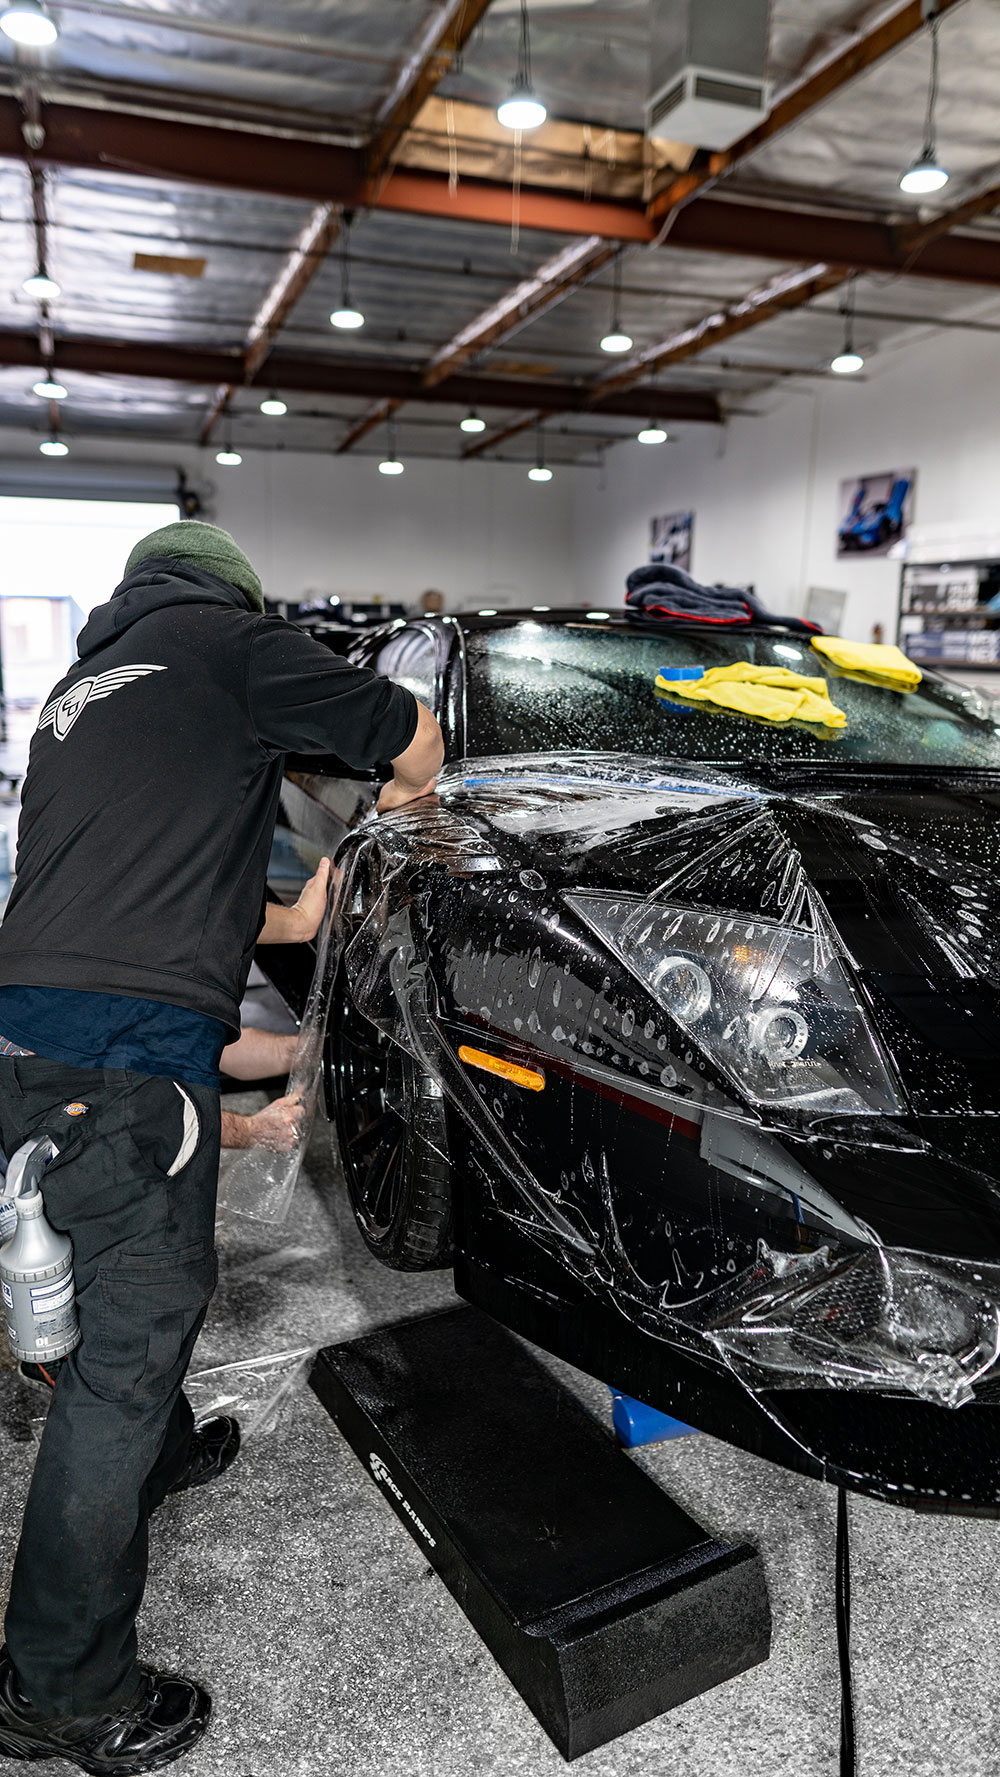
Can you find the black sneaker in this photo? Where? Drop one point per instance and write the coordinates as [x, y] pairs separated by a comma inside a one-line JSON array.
[[41, 1376], [169, 1717], [215, 1446]]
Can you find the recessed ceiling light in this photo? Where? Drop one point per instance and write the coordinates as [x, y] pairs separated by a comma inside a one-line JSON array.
[[652, 435], [273, 406], [347, 319], [49, 391], [229, 459], [846, 363], [538, 473], [472, 423], [25, 22], [53, 447], [616, 342], [41, 286], [390, 466]]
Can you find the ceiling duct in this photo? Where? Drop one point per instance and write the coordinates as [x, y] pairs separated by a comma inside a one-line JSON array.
[[708, 63]]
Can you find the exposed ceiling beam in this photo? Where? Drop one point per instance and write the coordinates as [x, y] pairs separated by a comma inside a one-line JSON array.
[[370, 380], [839, 72], [295, 275], [494, 439], [245, 160], [532, 297], [445, 36], [442, 42], [786, 292], [366, 422]]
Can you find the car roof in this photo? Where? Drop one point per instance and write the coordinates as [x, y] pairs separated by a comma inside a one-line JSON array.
[[614, 617]]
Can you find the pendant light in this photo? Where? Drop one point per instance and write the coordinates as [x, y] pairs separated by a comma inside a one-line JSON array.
[[539, 472], [273, 406], [616, 339], [390, 464], [848, 360], [227, 457], [53, 447], [653, 434], [472, 423], [926, 174], [41, 286], [346, 317], [26, 22], [522, 109], [48, 389]]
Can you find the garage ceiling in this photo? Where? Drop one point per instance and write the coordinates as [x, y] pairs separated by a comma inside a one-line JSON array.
[[222, 142]]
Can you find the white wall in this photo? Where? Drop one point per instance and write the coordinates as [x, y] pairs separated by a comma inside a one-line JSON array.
[[479, 531], [765, 490]]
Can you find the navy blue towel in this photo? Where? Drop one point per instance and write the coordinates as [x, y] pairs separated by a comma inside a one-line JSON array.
[[660, 590]]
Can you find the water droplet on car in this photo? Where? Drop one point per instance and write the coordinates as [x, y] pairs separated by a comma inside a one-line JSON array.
[[648, 1028], [628, 1022], [534, 968], [668, 1076], [530, 879]]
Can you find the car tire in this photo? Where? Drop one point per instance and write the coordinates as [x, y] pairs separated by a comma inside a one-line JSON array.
[[391, 1128]]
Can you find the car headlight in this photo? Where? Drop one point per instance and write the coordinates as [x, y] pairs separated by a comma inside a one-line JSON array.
[[771, 1005]]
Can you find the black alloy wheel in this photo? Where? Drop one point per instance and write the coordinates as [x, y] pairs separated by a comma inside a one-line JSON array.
[[392, 1132]]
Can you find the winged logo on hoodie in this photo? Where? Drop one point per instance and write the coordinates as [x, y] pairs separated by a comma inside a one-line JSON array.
[[61, 712]]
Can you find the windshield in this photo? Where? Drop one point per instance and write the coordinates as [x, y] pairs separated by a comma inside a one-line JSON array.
[[536, 686]]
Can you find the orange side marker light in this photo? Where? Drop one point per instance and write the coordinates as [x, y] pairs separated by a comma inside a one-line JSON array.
[[492, 1064]]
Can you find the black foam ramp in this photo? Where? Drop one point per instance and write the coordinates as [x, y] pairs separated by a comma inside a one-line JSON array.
[[603, 1602]]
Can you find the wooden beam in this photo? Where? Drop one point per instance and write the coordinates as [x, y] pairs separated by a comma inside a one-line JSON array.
[[533, 296], [381, 410], [243, 160], [295, 275], [444, 39], [448, 31], [492, 439], [340, 374], [786, 292]]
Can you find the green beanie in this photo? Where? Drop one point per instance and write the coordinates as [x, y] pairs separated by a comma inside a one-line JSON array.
[[204, 546]]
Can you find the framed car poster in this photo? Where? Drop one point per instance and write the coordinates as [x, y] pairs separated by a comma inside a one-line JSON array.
[[670, 539], [875, 512]]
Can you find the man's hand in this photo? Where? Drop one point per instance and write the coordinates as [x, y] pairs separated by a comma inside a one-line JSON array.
[[396, 795], [414, 771], [296, 925], [276, 1127]]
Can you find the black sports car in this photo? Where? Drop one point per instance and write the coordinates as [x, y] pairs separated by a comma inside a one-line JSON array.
[[677, 1034]]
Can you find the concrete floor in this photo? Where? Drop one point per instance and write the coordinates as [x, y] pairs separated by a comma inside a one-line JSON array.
[[332, 1650]]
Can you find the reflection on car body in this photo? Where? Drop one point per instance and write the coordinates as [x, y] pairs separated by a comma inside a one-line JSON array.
[[677, 1034]]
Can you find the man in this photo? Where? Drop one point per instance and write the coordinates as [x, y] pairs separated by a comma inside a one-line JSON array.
[[148, 809]]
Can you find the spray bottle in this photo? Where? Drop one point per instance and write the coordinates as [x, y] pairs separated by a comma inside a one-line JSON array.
[[36, 1263]]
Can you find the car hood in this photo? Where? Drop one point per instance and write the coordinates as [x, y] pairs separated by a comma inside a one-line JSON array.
[[901, 869]]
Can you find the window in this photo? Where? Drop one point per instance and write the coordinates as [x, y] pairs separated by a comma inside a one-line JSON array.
[[533, 687], [410, 660]]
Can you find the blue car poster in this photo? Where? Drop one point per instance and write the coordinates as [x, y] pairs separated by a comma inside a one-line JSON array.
[[875, 512]]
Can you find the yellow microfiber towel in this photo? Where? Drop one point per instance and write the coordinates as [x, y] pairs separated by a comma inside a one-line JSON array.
[[880, 662], [772, 693]]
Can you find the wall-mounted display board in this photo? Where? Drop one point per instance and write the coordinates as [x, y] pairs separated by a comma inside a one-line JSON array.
[[945, 613]]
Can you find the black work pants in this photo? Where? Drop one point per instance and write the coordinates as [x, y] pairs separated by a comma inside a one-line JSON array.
[[136, 1192]]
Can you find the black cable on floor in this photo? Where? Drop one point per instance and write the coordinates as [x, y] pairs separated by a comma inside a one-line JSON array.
[[848, 1766]]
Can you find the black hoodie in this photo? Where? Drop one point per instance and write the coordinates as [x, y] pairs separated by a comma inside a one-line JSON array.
[[152, 789]]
